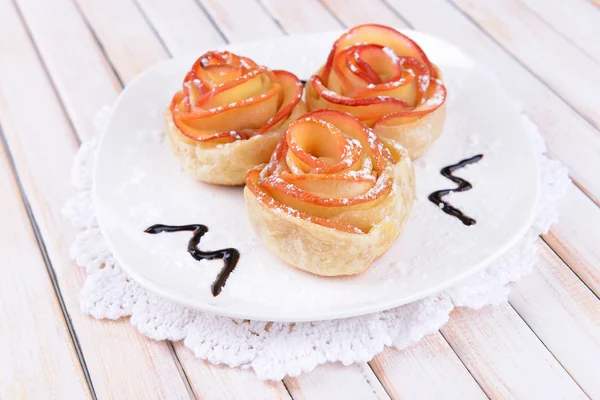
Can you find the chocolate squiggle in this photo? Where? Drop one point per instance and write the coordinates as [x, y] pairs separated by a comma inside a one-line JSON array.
[[229, 256], [463, 186]]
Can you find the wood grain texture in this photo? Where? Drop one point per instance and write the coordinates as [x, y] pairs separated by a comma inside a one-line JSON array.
[[568, 136], [426, 370], [182, 25], [359, 12], [566, 69], [221, 382], [133, 43], [576, 237], [336, 381], [577, 21], [241, 21], [506, 357], [71, 56], [297, 17], [178, 39], [565, 315], [118, 358], [35, 344]]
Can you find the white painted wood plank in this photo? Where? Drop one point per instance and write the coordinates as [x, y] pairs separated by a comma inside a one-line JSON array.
[[565, 315], [426, 370], [336, 381], [506, 357], [120, 23], [63, 45], [359, 12], [241, 21], [568, 136], [182, 25], [578, 21], [42, 144], [562, 66], [576, 237], [297, 17], [28, 307], [221, 382]]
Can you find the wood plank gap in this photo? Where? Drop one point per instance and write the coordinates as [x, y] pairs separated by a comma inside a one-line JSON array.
[[465, 365], [270, 14], [212, 21], [560, 33], [287, 389], [54, 88], [579, 186], [375, 373], [526, 67], [181, 370], [98, 43], [49, 268], [548, 349], [534, 333], [334, 15], [152, 27], [568, 266], [397, 14]]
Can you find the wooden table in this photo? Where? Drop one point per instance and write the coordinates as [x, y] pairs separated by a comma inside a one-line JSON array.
[[61, 60]]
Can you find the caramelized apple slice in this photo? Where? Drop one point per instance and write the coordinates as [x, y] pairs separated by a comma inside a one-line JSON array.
[[226, 98]]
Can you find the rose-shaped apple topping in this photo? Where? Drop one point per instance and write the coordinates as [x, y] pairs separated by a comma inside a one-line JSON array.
[[229, 100], [226, 97], [385, 80], [331, 175]]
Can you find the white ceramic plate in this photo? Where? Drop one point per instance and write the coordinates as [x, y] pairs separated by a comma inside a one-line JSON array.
[[138, 183]]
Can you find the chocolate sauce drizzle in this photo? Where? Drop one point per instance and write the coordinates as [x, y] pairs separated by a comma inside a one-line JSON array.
[[230, 256], [463, 186]]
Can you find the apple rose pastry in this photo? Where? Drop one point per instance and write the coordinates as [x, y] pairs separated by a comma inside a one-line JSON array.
[[333, 197], [229, 116], [385, 80]]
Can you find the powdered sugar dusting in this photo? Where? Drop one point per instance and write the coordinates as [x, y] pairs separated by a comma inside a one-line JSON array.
[[391, 54]]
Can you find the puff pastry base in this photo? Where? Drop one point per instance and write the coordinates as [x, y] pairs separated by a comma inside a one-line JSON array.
[[418, 136], [225, 164], [328, 252]]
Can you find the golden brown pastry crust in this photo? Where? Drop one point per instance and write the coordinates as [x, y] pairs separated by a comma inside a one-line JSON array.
[[416, 136], [324, 250], [225, 164]]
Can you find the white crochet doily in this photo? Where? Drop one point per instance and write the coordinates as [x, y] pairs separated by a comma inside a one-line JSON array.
[[274, 350]]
